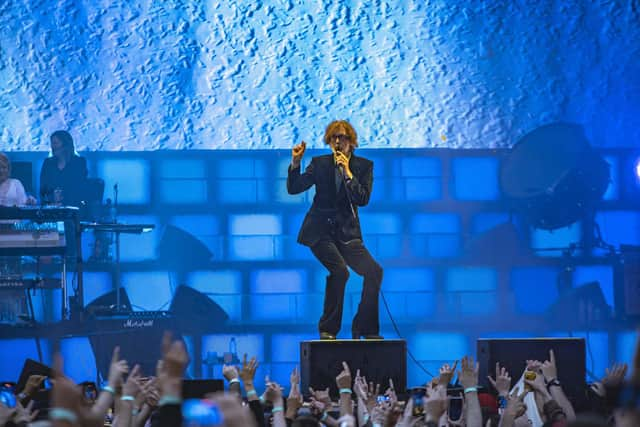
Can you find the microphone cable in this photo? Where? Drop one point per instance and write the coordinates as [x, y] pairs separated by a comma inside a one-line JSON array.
[[395, 327]]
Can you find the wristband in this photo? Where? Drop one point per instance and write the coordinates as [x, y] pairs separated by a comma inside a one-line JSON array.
[[169, 400], [135, 411], [470, 390], [63, 414], [553, 382], [262, 399], [345, 390], [325, 415], [377, 425], [108, 389], [127, 398], [502, 402], [277, 409], [252, 393], [366, 418], [234, 380]]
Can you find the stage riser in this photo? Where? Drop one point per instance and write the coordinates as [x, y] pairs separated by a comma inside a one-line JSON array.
[[378, 361]]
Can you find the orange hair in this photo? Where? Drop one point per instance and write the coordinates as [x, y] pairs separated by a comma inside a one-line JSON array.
[[353, 136]]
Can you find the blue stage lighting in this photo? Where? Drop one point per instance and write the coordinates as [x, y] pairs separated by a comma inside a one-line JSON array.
[[637, 170]]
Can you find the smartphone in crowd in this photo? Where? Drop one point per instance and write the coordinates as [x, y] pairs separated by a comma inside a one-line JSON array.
[[47, 384], [201, 412], [382, 398], [455, 407], [7, 398], [417, 395]]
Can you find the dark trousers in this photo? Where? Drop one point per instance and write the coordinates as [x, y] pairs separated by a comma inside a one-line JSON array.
[[336, 256]]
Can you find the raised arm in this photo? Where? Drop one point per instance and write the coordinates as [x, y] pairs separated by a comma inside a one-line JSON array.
[[550, 372], [298, 182]]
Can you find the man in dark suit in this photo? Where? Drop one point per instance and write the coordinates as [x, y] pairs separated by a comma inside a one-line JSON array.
[[331, 228]]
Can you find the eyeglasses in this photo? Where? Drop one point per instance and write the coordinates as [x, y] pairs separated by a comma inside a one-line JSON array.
[[340, 137]]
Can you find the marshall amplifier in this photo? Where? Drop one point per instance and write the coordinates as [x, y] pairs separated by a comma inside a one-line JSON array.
[[138, 334]]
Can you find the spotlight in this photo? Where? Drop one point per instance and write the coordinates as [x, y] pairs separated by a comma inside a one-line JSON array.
[[637, 169]]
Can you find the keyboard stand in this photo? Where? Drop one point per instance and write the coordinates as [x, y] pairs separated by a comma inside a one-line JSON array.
[[118, 229]]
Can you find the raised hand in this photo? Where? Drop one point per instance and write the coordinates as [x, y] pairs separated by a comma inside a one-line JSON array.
[[321, 396], [117, 369], [297, 152], [175, 358], [343, 380], [342, 161], [230, 372], [502, 383], [447, 373], [273, 393], [391, 393], [534, 365], [6, 414], [468, 373], [539, 386], [294, 382], [515, 406], [435, 402], [614, 376], [33, 384], [24, 415], [248, 371], [67, 395], [549, 368], [132, 386]]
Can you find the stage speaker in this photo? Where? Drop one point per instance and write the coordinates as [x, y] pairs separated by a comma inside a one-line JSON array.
[[378, 361], [198, 389], [513, 353], [108, 303], [194, 311], [139, 339], [581, 307], [629, 306], [181, 251]]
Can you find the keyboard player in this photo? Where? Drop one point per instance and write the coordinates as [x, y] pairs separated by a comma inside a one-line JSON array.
[[11, 190]]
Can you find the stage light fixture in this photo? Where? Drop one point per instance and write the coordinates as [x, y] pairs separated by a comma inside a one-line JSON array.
[[637, 170]]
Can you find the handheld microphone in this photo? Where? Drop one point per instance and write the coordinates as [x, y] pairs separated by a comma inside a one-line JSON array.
[[340, 167]]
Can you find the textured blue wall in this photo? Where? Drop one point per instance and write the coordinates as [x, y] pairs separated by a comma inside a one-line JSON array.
[[148, 75]]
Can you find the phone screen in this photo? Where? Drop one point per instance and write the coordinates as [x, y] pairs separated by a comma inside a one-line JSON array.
[[417, 394], [455, 407], [7, 397], [201, 412], [47, 384], [382, 398]]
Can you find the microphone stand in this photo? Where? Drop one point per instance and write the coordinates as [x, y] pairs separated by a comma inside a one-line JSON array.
[[117, 272]]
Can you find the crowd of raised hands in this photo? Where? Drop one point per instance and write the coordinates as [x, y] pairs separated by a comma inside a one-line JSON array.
[[453, 398]]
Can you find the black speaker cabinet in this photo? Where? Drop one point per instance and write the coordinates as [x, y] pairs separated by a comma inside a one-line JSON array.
[[378, 360], [513, 353], [198, 389]]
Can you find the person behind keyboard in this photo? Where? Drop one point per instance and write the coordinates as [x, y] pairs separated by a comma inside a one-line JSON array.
[[11, 190], [63, 176]]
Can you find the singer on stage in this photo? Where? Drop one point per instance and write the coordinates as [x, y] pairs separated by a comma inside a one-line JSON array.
[[331, 227]]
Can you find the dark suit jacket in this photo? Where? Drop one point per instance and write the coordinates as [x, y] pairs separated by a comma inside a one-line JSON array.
[[330, 214]]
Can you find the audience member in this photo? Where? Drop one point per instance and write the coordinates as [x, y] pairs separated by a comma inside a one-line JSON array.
[[157, 401]]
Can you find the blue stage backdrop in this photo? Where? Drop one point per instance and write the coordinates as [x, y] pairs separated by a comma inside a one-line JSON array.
[[135, 80], [191, 74]]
